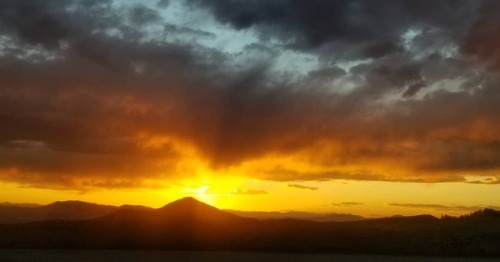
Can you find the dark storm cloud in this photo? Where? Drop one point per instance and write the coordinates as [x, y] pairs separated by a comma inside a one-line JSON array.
[[323, 73], [378, 50], [401, 74], [482, 39], [49, 22], [466, 156], [83, 24], [377, 25], [85, 92], [35, 21], [142, 15], [163, 3]]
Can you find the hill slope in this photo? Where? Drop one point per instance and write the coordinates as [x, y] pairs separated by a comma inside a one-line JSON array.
[[78, 210], [60, 210], [187, 224], [318, 217]]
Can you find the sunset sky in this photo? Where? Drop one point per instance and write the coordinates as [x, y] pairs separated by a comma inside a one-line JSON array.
[[365, 107]]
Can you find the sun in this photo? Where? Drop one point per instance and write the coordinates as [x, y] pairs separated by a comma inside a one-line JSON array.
[[214, 189], [201, 193]]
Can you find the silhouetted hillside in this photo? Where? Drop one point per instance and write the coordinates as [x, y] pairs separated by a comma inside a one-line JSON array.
[[78, 210], [328, 217], [188, 224], [60, 210]]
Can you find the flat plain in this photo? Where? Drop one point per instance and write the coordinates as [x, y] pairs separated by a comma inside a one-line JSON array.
[[37, 255]]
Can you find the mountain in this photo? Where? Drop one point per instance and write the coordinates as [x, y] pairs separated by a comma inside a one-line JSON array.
[[188, 224], [318, 217], [19, 204], [77, 210], [60, 210]]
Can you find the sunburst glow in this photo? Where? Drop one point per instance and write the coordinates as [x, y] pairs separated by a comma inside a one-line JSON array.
[[349, 107]]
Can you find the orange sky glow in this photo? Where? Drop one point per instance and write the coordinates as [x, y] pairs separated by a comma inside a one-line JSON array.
[[387, 109]]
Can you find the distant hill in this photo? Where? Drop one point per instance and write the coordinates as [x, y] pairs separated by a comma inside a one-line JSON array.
[[188, 224], [77, 210], [61, 210], [319, 217]]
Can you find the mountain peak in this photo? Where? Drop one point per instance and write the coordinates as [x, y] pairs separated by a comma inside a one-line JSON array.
[[190, 207], [187, 202], [67, 202]]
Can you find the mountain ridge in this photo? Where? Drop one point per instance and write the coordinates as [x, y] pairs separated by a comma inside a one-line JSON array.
[[13, 214], [319, 217], [189, 224]]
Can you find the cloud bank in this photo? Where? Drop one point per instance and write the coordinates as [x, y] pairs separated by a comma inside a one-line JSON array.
[[116, 93]]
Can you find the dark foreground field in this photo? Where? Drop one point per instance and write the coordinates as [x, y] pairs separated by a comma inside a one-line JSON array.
[[28, 255]]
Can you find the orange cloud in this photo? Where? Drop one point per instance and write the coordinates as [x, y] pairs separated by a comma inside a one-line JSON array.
[[96, 110], [298, 186]]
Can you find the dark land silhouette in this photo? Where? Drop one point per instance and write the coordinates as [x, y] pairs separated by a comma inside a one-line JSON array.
[[61, 210], [188, 224], [79, 210], [319, 217]]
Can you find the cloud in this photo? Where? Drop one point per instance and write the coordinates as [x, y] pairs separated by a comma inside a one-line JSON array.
[[249, 192], [443, 208], [91, 90], [486, 180], [142, 15], [375, 26], [282, 174], [482, 39], [348, 204], [468, 156], [298, 186]]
